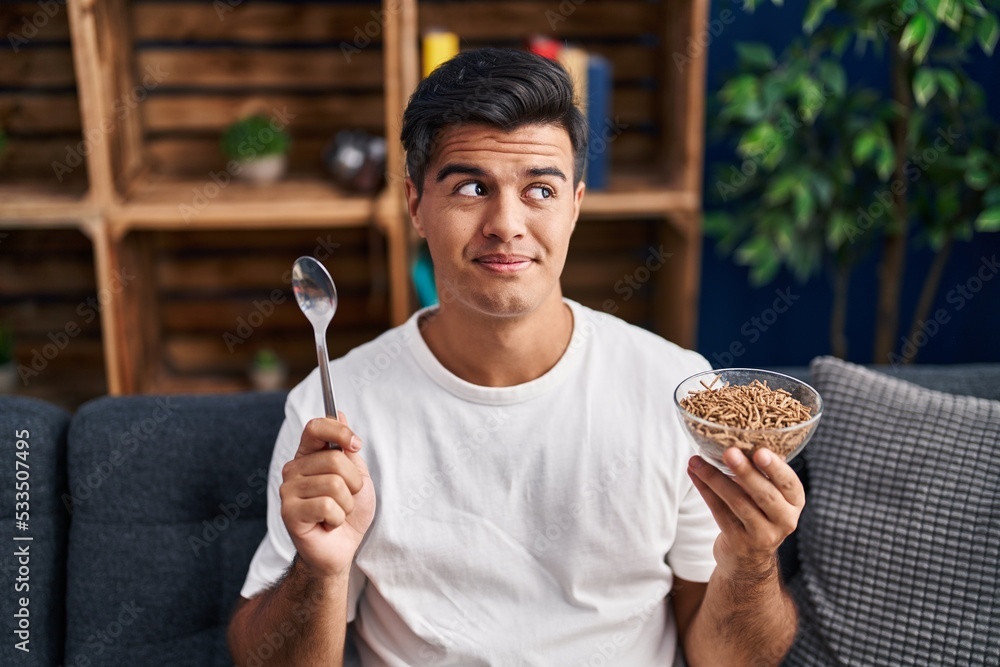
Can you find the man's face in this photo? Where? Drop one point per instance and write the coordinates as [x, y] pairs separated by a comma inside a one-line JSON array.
[[497, 210]]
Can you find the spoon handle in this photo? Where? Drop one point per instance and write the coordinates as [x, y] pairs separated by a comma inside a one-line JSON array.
[[323, 357]]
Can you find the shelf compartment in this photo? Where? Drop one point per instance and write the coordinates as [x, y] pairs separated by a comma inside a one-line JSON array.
[[215, 63], [49, 298], [643, 270], [45, 160], [655, 104], [212, 299]]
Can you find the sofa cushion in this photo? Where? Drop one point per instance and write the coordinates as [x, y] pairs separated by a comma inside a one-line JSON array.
[[43, 428], [169, 503], [899, 542]]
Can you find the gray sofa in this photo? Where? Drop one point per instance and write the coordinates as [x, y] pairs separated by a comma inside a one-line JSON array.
[[145, 512]]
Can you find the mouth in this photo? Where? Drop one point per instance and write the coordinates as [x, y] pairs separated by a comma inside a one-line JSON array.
[[500, 263]]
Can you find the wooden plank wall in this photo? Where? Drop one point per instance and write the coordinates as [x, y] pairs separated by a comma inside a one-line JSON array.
[[220, 60], [602, 254], [217, 304], [623, 31], [38, 100], [49, 298]]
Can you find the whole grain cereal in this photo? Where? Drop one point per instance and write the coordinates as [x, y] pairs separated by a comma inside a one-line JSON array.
[[755, 407]]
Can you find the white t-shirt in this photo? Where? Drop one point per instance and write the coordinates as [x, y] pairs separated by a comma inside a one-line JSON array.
[[539, 524]]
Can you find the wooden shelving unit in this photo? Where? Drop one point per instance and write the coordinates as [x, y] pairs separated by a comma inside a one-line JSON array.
[[149, 85]]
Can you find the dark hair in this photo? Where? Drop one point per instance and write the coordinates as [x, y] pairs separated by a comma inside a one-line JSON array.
[[503, 88]]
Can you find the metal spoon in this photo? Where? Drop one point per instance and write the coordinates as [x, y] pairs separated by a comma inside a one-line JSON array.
[[317, 298]]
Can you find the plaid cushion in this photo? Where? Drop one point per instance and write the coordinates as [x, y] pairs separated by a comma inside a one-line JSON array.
[[900, 538]]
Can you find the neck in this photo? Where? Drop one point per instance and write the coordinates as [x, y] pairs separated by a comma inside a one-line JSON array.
[[494, 351]]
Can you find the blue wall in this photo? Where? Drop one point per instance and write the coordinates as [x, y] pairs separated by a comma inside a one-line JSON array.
[[729, 303]]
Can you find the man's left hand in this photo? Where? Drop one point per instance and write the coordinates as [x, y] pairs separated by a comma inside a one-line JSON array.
[[756, 509]]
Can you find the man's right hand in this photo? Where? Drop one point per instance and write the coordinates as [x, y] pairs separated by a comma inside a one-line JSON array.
[[327, 497]]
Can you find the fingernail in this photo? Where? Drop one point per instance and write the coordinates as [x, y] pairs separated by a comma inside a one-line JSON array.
[[355, 443], [695, 462], [765, 457]]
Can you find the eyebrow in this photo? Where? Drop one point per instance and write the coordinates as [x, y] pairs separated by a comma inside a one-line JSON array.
[[464, 169], [469, 170], [547, 171]]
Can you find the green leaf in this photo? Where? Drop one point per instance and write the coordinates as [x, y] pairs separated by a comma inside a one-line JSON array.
[[949, 83], [914, 32], [755, 250], [717, 223], [864, 146], [987, 32], [989, 220], [779, 190], [803, 206], [977, 179], [837, 229], [950, 13], [975, 7], [924, 86], [811, 98], [763, 273], [761, 139], [772, 90], [885, 162], [833, 78], [755, 55], [814, 14], [925, 44], [992, 196], [840, 42], [741, 99]]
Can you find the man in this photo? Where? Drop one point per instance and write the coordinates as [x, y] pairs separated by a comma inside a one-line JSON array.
[[537, 501]]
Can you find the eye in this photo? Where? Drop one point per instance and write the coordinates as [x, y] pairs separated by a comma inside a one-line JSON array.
[[472, 189], [540, 192]]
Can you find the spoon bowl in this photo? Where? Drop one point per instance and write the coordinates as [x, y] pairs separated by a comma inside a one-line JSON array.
[[317, 298]]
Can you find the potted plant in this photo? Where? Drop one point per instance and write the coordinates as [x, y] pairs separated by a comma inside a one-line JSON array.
[[268, 372], [828, 168], [259, 146], [8, 370]]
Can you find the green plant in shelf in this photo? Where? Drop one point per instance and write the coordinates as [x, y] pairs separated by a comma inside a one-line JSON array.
[[260, 146], [266, 360], [268, 372], [832, 171], [254, 137]]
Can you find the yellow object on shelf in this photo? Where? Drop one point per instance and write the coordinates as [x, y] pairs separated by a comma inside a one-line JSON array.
[[574, 60], [439, 46]]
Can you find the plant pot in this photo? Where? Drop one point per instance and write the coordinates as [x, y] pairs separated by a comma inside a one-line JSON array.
[[271, 378], [263, 171], [8, 377]]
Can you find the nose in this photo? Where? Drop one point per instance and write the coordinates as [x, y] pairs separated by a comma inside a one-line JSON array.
[[506, 218]]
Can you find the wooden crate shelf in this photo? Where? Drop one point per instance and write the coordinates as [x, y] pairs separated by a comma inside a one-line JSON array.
[[154, 83]]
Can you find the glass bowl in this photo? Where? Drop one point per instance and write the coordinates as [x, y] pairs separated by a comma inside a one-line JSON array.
[[711, 439]]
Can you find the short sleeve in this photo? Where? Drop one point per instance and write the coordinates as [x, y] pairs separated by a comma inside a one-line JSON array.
[[691, 556]]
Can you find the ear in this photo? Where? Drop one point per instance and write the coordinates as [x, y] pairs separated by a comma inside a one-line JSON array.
[[578, 201], [413, 206]]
